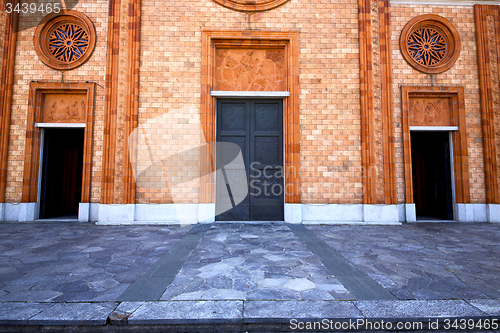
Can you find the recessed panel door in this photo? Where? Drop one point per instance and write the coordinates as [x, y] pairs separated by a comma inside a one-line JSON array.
[[256, 127]]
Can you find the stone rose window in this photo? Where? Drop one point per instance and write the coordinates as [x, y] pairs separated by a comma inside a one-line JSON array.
[[65, 41], [430, 44], [250, 5]]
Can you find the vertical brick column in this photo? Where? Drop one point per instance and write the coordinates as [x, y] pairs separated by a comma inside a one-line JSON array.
[[6, 89], [132, 99], [112, 56], [366, 85], [122, 101], [390, 194], [377, 130], [488, 38]]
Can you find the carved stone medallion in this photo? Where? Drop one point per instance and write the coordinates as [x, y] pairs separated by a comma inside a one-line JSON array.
[[430, 44], [65, 41]]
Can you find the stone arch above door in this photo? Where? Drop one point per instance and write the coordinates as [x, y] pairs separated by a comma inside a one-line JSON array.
[[250, 5]]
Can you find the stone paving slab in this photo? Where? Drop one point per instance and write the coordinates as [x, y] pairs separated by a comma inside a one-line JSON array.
[[418, 310], [282, 312], [356, 281], [17, 313], [75, 262], [187, 312], [74, 314], [254, 262], [152, 284], [489, 306], [428, 261]]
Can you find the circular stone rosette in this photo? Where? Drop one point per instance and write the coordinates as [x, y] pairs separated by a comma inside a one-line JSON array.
[[250, 5], [65, 41], [430, 44]]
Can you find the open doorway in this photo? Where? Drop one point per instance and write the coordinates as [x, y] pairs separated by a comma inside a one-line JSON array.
[[432, 181], [62, 166]]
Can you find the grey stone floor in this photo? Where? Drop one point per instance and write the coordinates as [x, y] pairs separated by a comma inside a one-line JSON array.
[[254, 262], [72, 274], [68, 262], [71, 262], [424, 261]]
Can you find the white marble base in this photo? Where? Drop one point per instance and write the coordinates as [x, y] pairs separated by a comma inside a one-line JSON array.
[[381, 214], [325, 213], [350, 214], [167, 213], [155, 214], [88, 212], [83, 212], [116, 214], [493, 213], [480, 212], [94, 212], [19, 212], [410, 213], [293, 213], [463, 212], [401, 213], [206, 213], [473, 213]]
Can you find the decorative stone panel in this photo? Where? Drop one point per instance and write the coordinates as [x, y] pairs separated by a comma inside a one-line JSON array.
[[64, 108], [250, 70], [430, 111]]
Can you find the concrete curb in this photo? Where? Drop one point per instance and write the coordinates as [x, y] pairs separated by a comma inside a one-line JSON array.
[[235, 313]]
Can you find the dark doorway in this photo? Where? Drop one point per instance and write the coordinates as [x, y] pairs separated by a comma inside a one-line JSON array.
[[430, 152], [256, 126], [61, 173]]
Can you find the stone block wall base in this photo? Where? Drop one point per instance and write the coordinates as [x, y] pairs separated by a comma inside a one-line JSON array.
[[358, 214]]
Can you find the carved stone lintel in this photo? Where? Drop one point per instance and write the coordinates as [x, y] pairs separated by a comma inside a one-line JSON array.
[[64, 108], [250, 70], [430, 112]]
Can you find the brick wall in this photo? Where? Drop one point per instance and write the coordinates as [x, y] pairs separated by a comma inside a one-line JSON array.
[[170, 86], [329, 82]]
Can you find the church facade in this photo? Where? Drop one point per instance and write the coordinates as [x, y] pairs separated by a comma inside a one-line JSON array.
[[357, 111]]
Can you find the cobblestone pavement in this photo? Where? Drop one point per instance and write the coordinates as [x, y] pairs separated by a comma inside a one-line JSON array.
[[424, 261], [63, 262], [254, 262]]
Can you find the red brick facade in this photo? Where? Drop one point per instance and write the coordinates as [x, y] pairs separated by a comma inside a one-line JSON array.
[[346, 119]]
